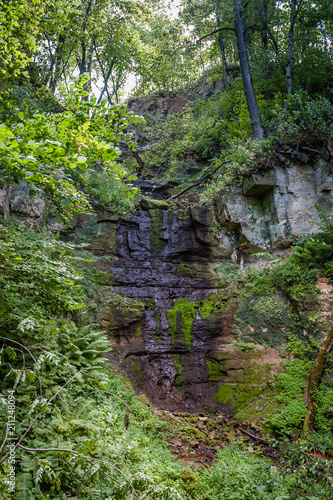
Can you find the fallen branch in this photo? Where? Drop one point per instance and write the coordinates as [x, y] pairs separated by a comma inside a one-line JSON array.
[[253, 436], [199, 181], [313, 380]]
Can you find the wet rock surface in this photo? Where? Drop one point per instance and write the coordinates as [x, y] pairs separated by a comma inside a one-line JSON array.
[[173, 322], [169, 317], [163, 262]]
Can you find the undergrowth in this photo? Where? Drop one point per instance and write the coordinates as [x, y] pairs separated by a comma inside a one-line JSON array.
[[79, 432]]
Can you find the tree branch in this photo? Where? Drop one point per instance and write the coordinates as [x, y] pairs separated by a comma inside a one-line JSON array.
[[213, 33], [36, 418], [199, 181], [268, 30], [313, 380]]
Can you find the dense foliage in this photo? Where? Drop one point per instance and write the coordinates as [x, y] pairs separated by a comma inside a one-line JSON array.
[[79, 431]]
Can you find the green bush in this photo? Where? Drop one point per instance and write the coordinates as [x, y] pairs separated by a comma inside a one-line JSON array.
[[241, 476], [117, 197]]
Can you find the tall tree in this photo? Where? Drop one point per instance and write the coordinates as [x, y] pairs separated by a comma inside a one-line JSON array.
[[295, 7], [251, 99]]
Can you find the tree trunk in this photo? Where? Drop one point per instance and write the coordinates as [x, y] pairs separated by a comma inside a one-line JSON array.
[[57, 63], [294, 11], [106, 79], [290, 62], [264, 32], [6, 208], [226, 76], [246, 74], [313, 380]]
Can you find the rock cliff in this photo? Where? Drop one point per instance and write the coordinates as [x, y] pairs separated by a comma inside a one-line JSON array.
[[173, 319], [174, 322]]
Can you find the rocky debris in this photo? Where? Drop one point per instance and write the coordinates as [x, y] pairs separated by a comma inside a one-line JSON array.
[[217, 431], [160, 105]]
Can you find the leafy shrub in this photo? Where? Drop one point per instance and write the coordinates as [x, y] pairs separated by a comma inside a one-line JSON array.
[[49, 151], [115, 196], [291, 385], [241, 476]]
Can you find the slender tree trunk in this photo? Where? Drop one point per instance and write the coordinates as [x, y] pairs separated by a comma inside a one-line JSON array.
[[82, 61], [106, 79], [290, 62], [226, 76], [264, 32], [6, 208], [313, 380], [246, 74], [294, 10], [57, 62]]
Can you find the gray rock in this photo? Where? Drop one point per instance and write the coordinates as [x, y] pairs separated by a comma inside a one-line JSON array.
[[273, 207], [22, 204]]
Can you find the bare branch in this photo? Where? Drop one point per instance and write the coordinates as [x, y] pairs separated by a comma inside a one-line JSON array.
[[5, 438], [199, 181], [36, 418], [215, 31]]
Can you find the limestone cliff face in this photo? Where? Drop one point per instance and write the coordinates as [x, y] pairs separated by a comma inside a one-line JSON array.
[[275, 205], [173, 322]]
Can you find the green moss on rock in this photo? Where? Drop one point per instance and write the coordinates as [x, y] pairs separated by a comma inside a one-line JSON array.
[[264, 319], [156, 231], [150, 204], [177, 360], [181, 318], [224, 394], [182, 315]]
